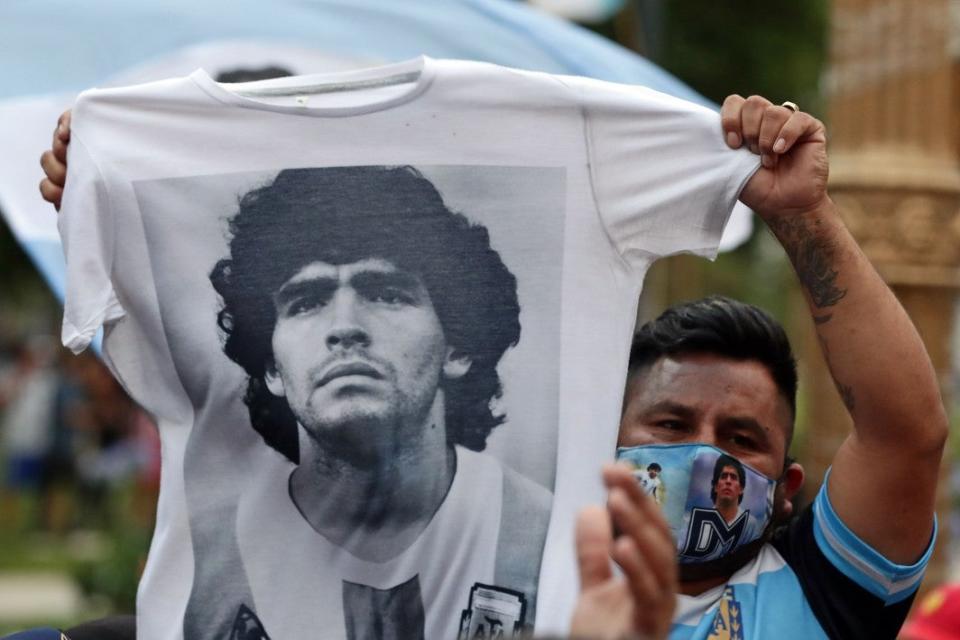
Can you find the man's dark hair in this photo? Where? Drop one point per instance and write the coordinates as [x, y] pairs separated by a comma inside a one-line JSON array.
[[343, 215], [250, 74], [724, 327], [723, 462], [654, 466]]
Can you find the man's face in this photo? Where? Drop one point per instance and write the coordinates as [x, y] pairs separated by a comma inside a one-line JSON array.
[[652, 473], [728, 487], [731, 404], [357, 348]]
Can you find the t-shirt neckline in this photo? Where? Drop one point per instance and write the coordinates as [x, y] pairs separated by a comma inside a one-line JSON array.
[[469, 465], [417, 71]]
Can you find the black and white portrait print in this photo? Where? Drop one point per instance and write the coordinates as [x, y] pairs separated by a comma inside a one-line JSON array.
[[371, 356]]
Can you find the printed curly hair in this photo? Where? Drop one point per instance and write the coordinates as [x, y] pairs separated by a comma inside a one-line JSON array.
[[346, 214]]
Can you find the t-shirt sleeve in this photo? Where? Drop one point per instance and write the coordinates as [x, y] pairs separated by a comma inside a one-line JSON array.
[[859, 561], [664, 181], [86, 230], [854, 592]]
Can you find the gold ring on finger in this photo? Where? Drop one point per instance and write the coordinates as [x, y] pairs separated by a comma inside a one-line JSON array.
[[790, 105]]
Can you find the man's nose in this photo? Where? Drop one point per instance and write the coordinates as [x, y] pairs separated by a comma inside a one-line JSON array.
[[346, 329]]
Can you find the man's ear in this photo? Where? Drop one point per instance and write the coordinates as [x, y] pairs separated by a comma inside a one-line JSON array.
[[791, 483], [456, 366], [274, 382]]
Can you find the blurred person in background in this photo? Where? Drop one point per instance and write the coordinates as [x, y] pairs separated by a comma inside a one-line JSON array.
[[59, 469], [27, 393], [116, 444]]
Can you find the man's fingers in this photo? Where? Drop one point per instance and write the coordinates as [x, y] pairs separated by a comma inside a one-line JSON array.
[[800, 126], [636, 569], [59, 149], [51, 193], [622, 477], [751, 120], [54, 162], [730, 120], [653, 542], [63, 126], [59, 146], [51, 187], [593, 539], [774, 119], [653, 604], [637, 516], [61, 137], [766, 129], [56, 171]]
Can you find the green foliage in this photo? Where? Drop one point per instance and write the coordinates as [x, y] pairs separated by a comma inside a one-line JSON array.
[[105, 561], [26, 303], [774, 49], [21, 625], [19, 277], [115, 576]]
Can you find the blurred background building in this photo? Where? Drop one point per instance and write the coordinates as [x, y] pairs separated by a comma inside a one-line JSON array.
[[79, 461]]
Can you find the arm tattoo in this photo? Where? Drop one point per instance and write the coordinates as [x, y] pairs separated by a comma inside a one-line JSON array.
[[813, 259], [845, 390]]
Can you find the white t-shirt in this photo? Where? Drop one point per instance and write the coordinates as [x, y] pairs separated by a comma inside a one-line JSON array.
[[572, 186]]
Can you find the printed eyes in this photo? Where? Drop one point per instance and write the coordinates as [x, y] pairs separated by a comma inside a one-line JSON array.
[[390, 295], [302, 304]]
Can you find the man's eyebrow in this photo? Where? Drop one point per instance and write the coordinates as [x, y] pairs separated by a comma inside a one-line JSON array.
[[293, 290], [403, 279], [669, 406]]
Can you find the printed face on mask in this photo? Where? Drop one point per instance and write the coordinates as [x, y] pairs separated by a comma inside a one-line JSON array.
[[713, 502]]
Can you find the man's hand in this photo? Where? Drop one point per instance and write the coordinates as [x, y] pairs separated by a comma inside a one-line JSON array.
[[793, 152], [640, 603], [54, 162]]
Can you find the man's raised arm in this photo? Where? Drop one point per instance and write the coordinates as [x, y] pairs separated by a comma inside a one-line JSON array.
[[883, 480]]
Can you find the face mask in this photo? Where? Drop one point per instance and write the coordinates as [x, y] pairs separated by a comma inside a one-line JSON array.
[[713, 503]]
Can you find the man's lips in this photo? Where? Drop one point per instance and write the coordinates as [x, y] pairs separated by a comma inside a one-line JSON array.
[[349, 369]]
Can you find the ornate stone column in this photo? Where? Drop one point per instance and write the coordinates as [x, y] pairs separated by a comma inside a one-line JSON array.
[[891, 89]]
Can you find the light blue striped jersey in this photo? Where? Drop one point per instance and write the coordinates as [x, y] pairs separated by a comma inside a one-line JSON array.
[[816, 580]]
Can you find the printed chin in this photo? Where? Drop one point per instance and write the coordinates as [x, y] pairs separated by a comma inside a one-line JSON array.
[[348, 412], [357, 434]]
